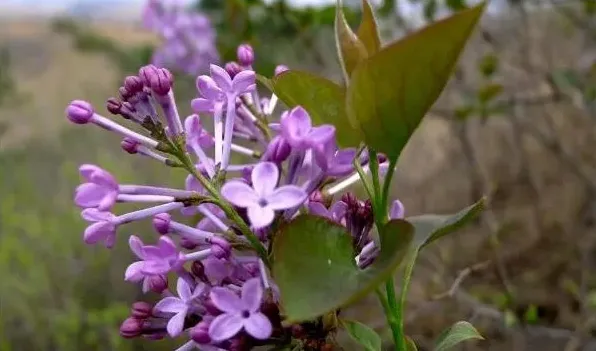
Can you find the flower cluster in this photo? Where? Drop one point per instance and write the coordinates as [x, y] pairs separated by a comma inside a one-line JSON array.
[[244, 180], [188, 37]]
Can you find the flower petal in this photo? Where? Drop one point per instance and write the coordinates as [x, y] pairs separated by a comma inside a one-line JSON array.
[[103, 178], [183, 290], [108, 201], [202, 105], [287, 196], [208, 88], [192, 126], [221, 77], [95, 215], [225, 326], [134, 272], [244, 82], [176, 324], [136, 246], [97, 232], [295, 126], [258, 326], [86, 170], [166, 246], [264, 178], [156, 267], [397, 210], [260, 216], [171, 305], [239, 194], [225, 300], [89, 195], [252, 294], [318, 209], [321, 135], [338, 210]]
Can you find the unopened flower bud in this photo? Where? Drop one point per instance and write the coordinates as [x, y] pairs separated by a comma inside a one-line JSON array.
[[200, 333], [79, 112], [158, 283], [131, 328], [162, 81], [146, 73], [141, 310], [124, 93], [198, 269], [281, 69], [188, 244], [161, 223], [246, 55], [316, 196], [233, 69], [129, 145], [133, 84], [114, 105]]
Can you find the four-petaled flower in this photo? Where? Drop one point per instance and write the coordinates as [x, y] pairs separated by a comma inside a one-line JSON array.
[[220, 86], [103, 227], [155, 260], [263, 199], [179, 305], [239, 312], [100, 189], [297, 129]]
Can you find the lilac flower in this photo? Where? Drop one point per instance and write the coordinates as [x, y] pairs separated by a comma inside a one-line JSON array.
[[336, 212], [99, 191], [103, 227], [263, 199], [155, 260], [179, 305], [239, 312], [188, 37], [297, 129]]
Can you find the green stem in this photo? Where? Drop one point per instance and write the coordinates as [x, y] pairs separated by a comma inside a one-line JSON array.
[[227, 209], [390, 315], [402, 302]]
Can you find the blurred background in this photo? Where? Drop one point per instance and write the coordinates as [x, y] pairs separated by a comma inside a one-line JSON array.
[[517, 122]]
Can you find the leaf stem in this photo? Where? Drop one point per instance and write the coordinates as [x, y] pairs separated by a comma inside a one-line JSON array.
[[387, 182], [390, 315], [400, 308]]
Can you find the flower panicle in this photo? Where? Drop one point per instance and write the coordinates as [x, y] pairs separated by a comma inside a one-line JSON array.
[[245, 178]]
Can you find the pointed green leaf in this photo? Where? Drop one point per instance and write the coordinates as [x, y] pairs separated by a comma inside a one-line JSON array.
[[315, 269], [390, 92], [323, 99], [364, 335], [430, 227], [350, 49], [459, 332], [368, 32]]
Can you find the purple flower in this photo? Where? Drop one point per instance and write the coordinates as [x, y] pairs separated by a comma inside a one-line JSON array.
[[100, 189], [220, 84], [103, 227], [336, 212], [263, 199], [297, 129], [239, 312], [179, 305], [397, 210]]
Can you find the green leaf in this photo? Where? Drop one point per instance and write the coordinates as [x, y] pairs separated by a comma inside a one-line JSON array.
[[350, 49], [390, 92], [430, 227], [488, 65], [320, 97], [315, 269], [368, 32], [459, 332], [364, 335], [456, 5]]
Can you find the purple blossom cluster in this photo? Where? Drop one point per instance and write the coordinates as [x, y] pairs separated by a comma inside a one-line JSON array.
[[245, 179], [188, 37]]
